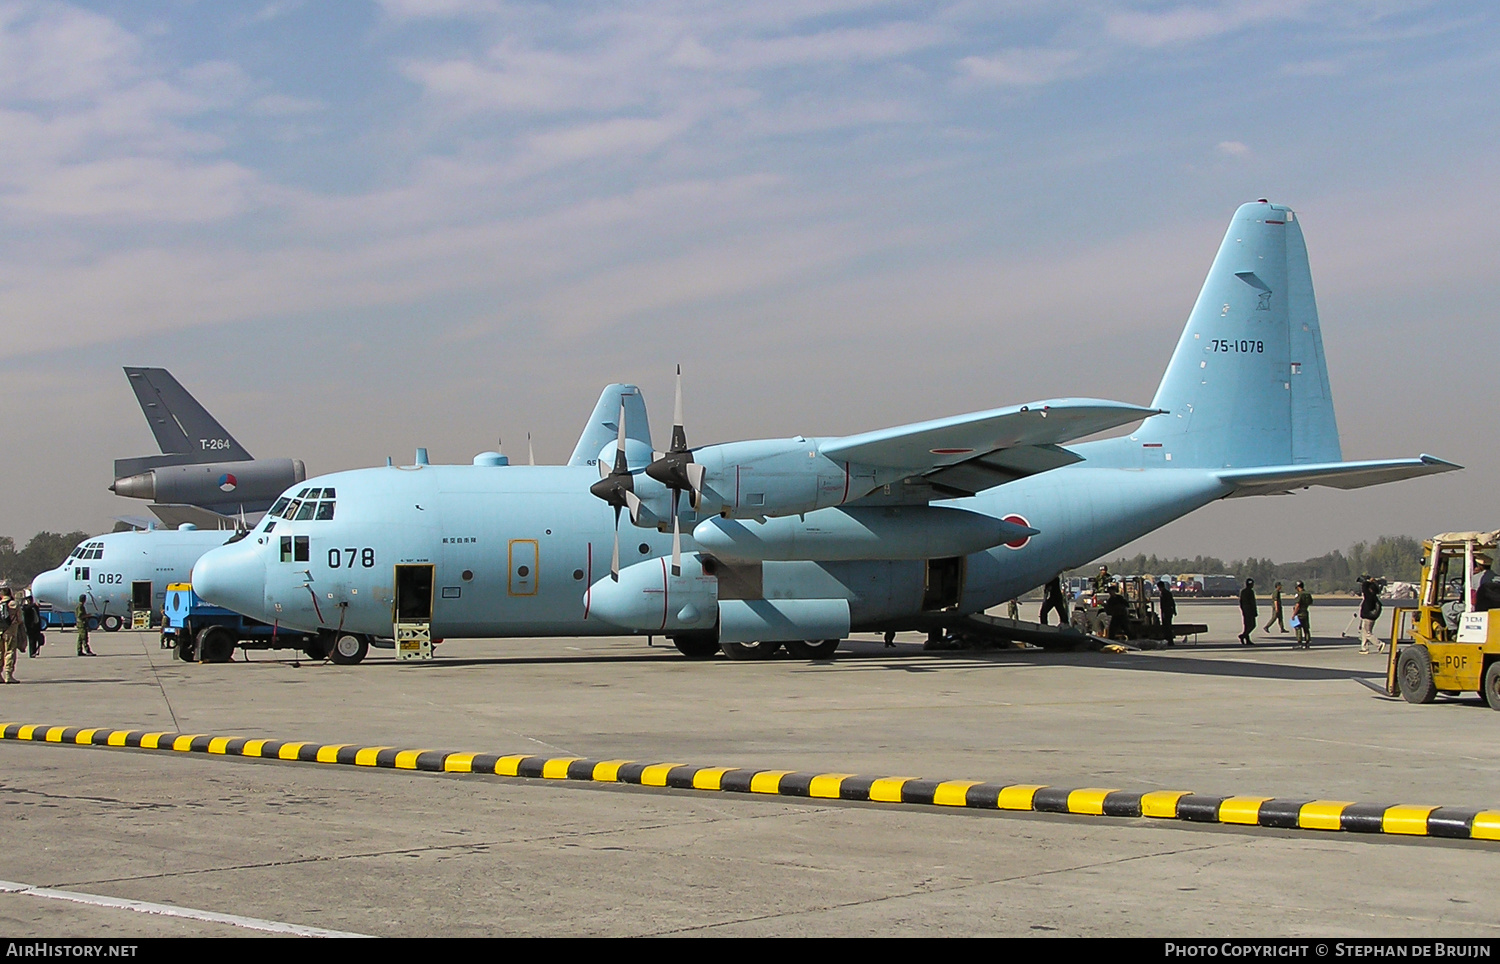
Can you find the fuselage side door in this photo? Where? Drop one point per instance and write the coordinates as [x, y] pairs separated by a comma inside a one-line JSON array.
[[412, 616]]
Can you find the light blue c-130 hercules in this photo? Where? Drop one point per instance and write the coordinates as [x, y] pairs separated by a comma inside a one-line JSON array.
[[802, 540]]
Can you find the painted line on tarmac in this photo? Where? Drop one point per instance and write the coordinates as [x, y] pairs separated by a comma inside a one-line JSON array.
[[170, 910], [1457, 823]]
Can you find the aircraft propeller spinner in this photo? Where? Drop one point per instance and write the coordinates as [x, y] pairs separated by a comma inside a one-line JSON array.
[[676, 470]]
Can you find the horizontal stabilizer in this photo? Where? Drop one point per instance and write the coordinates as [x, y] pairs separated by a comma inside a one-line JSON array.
[[1282, 479], [944, 442]]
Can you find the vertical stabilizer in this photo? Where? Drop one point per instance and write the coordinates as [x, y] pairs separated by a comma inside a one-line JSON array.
[[181, 426], [1247, 385], [603, 426]]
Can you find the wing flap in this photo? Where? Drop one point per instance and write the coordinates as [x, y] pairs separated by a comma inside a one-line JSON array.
[[998, 468], [1282, 479]]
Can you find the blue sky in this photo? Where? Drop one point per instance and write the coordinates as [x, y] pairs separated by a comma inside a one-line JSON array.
[[354, 228]]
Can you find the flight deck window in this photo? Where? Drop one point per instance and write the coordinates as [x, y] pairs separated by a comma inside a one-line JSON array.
[[281, 503], [328, 493], [306, 511], [301, 552], [302, 494], [325, 511]]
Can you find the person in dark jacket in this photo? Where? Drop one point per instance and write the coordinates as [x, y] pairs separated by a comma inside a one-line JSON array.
[[1369, 611], [1487, 594], [1248, 611], [1118, 610], [32, 616], [1053, 599], [1168, 609]]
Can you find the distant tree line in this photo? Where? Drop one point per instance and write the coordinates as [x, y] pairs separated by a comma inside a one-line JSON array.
[[1396, 558], [46, 550]]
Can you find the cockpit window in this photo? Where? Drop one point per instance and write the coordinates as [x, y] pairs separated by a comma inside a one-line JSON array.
[[328, 493], [306, 511], [281, 503], [291, 510], [325, 511], [302, 494]]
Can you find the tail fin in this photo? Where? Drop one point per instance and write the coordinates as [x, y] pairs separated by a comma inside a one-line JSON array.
[[603, 426], [182, 427], [1247, 385]]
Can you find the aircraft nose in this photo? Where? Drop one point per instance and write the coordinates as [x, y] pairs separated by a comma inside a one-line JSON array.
[[232, 576], [51, 587]]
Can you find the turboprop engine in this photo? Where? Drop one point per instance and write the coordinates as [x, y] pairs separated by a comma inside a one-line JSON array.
[[214, 483], [777, 477], [849, 533]]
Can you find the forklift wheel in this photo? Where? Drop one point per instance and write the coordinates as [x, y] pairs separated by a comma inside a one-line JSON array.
[[1489, 687], [1414, 675]]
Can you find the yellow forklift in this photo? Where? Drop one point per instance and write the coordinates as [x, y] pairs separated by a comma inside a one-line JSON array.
[[1452, 648]]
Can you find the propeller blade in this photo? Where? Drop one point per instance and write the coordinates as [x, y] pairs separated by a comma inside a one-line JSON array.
[[634, 502], [614, 562], [622, 467], [530, 452], [679, 431], [696, 474], [676, 537]]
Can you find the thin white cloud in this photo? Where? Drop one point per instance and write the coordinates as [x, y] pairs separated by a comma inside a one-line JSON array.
[[1021, 67], [1233, 148], [1188, 23]]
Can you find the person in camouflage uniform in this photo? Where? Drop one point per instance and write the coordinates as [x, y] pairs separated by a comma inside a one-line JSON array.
[[12, 635], [82, 615]]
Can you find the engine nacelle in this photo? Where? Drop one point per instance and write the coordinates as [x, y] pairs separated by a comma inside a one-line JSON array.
[[776, 477], [648, 598], [848, 533], [255, 484]]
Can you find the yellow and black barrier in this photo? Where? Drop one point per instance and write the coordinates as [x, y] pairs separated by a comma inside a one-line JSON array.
[[1450, 822]]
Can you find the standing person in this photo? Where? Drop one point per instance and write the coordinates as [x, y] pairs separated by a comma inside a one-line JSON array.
[[1013, 609], [1118, 610], [83, 627], [1369, 611], [1276, 619], [32, 617], [1103, 580], [1300, 606], [1248, 612], [12, 635], [1053, 599], [1168, 609], [1487, 593]]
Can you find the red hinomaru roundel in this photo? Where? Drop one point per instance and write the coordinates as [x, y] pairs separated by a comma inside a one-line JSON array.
[[1019, 520]]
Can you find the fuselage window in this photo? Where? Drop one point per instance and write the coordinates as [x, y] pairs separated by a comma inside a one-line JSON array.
[[302, 552], [286, 548], [325, 511], [270, 524]]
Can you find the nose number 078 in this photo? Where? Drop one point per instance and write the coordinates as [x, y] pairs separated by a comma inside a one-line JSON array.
[[346, 558]]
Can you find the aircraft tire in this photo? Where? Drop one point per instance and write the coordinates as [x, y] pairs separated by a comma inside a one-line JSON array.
[[216, 645], [1414, 675], [1489, 686], [749, 651], [349, 649], [111, 623], [696, 645], [813, 648]]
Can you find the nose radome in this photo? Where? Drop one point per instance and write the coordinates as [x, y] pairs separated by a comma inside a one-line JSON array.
[[232, 576], [52, 588]]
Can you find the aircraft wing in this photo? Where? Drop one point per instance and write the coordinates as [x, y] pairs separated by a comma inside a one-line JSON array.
[[1282, 479], [174, 514], [965, 454]]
